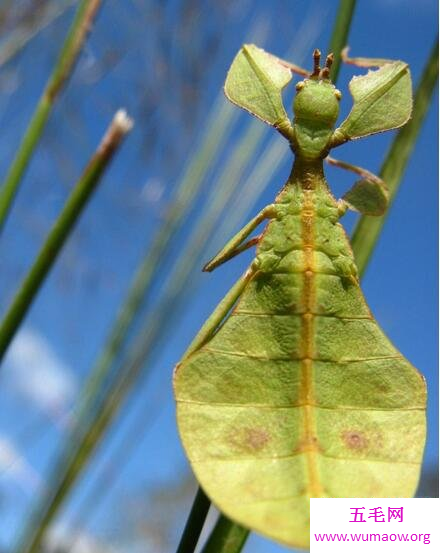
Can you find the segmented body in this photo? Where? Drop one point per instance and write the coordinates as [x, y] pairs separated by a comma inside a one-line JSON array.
[[297, 394]]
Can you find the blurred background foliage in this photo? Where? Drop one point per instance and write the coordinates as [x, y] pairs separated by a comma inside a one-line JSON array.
[[192, 170]]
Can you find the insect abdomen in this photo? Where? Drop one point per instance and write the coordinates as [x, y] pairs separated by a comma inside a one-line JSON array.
[[299, 393]]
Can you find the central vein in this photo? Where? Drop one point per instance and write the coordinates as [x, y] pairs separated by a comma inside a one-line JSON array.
[[310, 443]]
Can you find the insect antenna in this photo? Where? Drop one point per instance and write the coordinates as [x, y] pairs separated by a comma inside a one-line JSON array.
[[329, 60], [325, 71], [316, 60]]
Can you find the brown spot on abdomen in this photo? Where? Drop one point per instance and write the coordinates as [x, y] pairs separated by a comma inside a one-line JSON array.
[[250, 439], [354, 439]]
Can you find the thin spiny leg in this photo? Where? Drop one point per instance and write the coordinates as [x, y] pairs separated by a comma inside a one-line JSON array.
[[216, 318], [235, 245], [364, 173], [292, 66], [363, 62], [368, 195], [232, 253]]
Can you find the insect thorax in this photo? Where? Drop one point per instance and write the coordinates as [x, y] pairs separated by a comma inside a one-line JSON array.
[[307, 221], [316, 109]]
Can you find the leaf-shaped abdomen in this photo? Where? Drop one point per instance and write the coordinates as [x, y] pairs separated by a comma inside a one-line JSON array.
[[300, 394]]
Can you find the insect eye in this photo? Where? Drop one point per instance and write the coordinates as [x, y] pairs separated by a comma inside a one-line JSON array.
[[299, 86], [338, 94]]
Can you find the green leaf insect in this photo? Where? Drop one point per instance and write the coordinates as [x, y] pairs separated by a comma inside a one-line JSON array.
[[291, 390]]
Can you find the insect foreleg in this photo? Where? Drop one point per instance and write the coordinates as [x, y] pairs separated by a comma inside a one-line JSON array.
[[363, 62], [232, 253], [236, 245], [369, 195], [217, 316], [292, 66]]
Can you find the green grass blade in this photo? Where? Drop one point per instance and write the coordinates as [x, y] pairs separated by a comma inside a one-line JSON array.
[[85, 15], [194, 524], [221, 118], [21, 36], [339, 36], [154, 326], [112, 139], [53, 499], [188, 188], [75, 458], [368, 228], [226, 537], [95, 413], [66, 473], [61, 229]]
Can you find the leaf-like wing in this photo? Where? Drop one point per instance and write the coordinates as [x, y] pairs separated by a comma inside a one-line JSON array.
[[255, 81], [368, 197], [382, 101]]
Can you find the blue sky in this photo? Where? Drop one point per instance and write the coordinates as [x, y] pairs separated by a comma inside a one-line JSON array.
[[145, 59]]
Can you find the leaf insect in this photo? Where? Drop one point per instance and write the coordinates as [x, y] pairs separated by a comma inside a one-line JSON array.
[[291, 390]]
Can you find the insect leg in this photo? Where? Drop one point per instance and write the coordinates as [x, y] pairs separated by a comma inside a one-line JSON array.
[[235, 245], [217, 316], [292, 66], [369, 195], [231, 253], [364, 173], [363, 62]]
